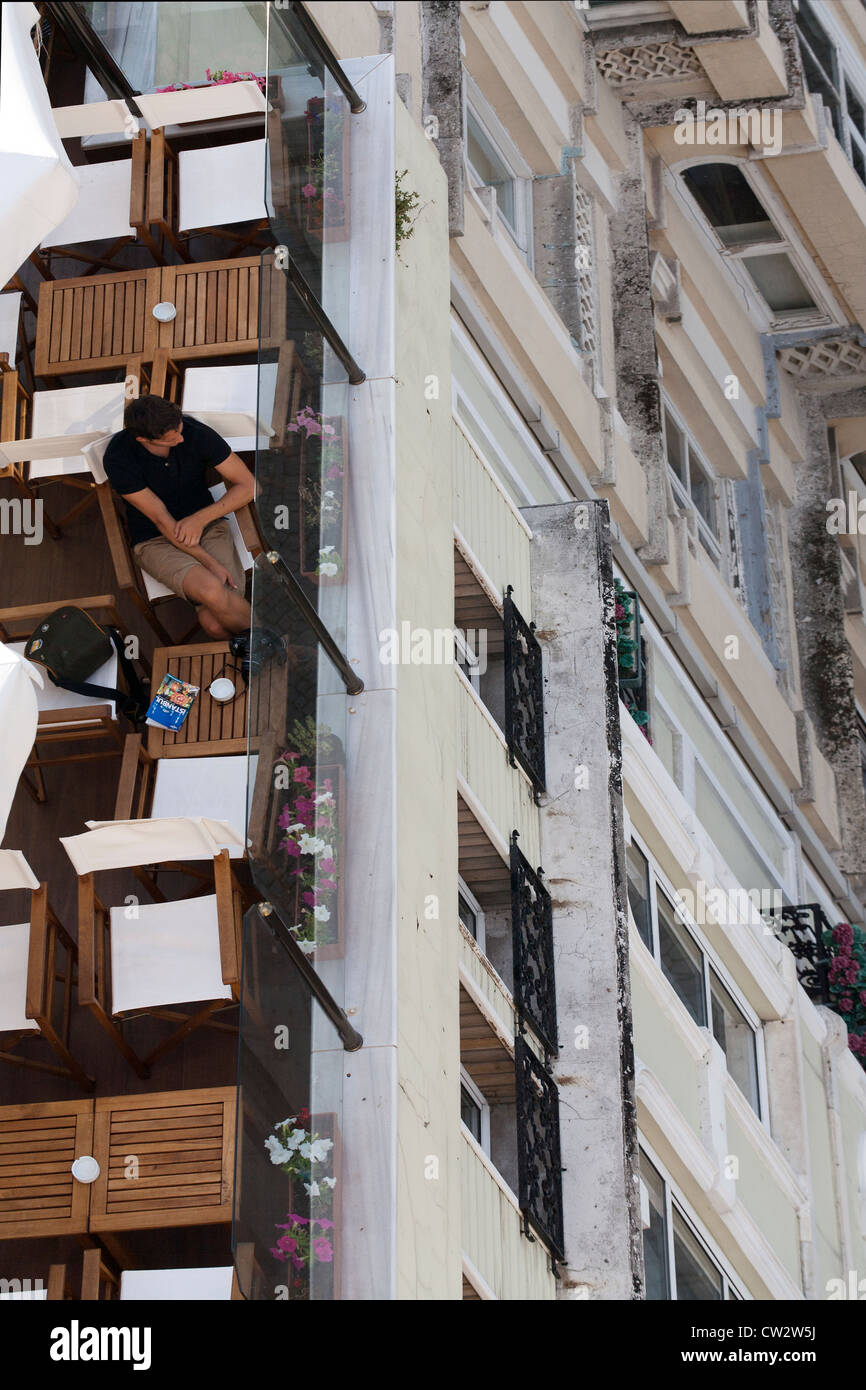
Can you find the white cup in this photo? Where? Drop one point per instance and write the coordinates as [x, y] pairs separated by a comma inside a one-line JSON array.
[[85, 1169], [164, 312], [221, 690]]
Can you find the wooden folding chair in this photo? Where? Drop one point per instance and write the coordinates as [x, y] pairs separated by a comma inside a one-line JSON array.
[[203, 192], [65, 717], [31, 968], [168, 953], [251, 405]]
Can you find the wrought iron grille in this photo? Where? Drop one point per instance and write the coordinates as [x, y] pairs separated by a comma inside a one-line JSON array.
[[524, 694], [802, 930], [539, 1164], [532, 944]]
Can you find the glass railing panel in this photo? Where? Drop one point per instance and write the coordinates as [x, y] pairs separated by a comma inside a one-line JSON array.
[[176, 44], [288, 1155], [308, 195]]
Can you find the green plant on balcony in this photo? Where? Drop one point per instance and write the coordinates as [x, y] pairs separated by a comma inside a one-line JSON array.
[[629, 656], [310, 820], [406, 204], [846, 947], [303, 1241]]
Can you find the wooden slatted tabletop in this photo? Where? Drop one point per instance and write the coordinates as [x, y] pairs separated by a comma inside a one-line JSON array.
[[211, 728], [93, 322], [38, 1144], [165, 1159]]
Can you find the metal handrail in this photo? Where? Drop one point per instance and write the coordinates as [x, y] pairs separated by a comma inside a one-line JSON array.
[[350, 1037], [353, 683], [325, 55]]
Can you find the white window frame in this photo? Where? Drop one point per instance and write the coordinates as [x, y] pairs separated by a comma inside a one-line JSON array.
[[478, 1097], [466, 655], [674, 1200], [505, 149], [466, 892], [827, 310], [846, 70], [659, 882], [710, 539]]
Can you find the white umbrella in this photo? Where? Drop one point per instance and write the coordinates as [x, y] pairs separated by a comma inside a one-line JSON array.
[[38, 185], [18, 719]]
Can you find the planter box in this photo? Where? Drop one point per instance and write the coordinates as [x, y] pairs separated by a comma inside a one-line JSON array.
[[313, 481], [326, 223]]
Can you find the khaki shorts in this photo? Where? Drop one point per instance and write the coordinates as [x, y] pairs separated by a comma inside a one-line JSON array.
[[163, 561]]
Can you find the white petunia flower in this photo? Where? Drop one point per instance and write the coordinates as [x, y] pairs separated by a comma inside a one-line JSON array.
[[322, 798], [331, 1182], [311, 1189], [321, 914], [310, 844], [319, 1150], [276, 1151], [328, 570], [326, 550], [307, 947]]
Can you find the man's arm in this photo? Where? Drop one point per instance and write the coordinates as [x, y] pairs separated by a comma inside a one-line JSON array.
[[240, 489], [156, 511]]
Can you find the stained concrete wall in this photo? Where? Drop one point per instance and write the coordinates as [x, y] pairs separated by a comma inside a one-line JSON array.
[[583, 856]]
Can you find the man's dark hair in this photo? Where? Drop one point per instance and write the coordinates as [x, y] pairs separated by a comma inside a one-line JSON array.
[[151, 416]]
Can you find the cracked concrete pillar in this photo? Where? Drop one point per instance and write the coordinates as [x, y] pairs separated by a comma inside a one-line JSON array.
[[442, 67], [584, 858], [826, 672], [637, 386]]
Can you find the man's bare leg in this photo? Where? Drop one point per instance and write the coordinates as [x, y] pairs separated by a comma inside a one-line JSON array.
[[222, 611]]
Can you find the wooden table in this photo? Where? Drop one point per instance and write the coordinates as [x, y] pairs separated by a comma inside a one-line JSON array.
[[211, 728], [182, 1144], [99, 321]]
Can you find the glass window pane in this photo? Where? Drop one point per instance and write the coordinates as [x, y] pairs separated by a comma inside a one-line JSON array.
[[490, 167], [682, 962], [778, 282], [638, 893], [736, 1037], [470, 1114], [702, 491], [675, 448], [733, 842], [725, 197], [655, 1236], [467, 916], [697, 1276]]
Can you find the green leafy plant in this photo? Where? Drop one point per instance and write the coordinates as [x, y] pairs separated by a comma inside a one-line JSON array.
[[407, 205]]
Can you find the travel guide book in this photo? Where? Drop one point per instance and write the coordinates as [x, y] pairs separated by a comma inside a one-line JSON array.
[[171, 704]]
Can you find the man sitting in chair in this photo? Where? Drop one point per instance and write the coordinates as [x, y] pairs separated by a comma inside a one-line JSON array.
[[158, 465]]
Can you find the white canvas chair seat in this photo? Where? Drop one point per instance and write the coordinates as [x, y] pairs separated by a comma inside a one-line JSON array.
[[123, 844], [167, 953], [198, 786], [14, 956], [95, 118], [218, 395], [86, 413], [160, 1285], [102, 210], [218, 102], [52, 697], [221, 185], [15, 872], [155, 589], [10, 310]]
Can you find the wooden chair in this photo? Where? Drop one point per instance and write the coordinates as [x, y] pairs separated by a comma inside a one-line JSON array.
[[62, 434], [168, 953], [99, 1281], [250, 405], [205, 191], [142, 588], [161, 787], [30, 970], [112, 202], [65, 717]]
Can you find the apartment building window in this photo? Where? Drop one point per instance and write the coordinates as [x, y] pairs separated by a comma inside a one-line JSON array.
[[693, 482], [697, 979], [828, 68], [639, 891], [495, 162], [471, 913], [474, 1111], [751, 242], [679, 1262]]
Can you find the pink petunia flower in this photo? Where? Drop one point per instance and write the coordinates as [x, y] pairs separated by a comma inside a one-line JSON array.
[[323, 1249], [309, 190]]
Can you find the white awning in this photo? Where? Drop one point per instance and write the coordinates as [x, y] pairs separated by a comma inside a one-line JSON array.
[[18, 719], [38, 185]]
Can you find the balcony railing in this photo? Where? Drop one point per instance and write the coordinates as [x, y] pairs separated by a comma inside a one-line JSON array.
[[532, 943], [524, 694], [539, 1160], [802, 929]]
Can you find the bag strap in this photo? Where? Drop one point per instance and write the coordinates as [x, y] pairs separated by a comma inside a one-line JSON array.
[[134, 704]]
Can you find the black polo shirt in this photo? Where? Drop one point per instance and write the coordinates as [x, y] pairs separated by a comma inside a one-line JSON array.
[[179, 479]]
